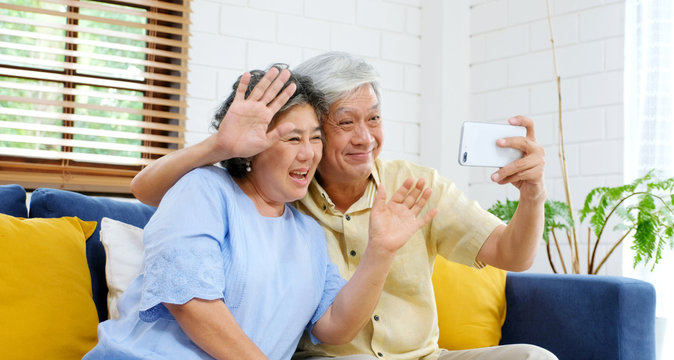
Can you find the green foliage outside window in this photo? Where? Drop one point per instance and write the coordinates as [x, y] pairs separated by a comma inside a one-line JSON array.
[[89, 58]]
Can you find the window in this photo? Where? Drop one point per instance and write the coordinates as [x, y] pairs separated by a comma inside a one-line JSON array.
[[649, 126], [90, 91]]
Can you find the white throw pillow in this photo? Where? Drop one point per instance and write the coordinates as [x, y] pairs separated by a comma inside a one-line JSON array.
[[123, 245]]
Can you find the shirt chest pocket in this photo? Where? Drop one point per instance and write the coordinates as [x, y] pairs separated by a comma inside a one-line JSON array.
[[409, 272]]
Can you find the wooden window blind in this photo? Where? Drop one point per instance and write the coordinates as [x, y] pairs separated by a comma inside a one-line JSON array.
[[90, 91]]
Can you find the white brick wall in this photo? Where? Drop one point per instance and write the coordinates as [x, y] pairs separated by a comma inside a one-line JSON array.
[[512, 73], [229, 37]]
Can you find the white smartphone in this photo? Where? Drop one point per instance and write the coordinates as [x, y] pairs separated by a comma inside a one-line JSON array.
[[477, 146]]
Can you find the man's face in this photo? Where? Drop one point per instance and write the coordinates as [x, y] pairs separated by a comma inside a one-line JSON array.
[[353, 137]]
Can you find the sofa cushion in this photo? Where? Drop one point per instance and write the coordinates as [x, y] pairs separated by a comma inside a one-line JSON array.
[[13, 200], [50, 203], [471, 304], [124, 258], [45, 289], [582, 316]]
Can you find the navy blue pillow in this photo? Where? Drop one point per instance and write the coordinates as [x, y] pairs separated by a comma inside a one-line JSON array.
[[53, 203], [13, 200]]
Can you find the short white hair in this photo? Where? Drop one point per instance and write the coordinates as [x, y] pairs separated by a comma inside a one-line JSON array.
[[338, 74]]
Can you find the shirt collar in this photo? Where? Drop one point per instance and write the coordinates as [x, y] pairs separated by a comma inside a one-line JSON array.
[[321, 197]]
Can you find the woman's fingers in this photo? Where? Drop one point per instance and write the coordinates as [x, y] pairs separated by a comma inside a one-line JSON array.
[[279, 132], [240, 93], [282, 98], [269, 90], [275, 87], [262, 85]]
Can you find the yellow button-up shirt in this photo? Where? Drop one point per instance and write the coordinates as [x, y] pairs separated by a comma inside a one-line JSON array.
[[404, 324]]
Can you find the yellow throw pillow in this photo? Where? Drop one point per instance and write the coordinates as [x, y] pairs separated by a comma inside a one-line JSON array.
[[471, 304], [46, 305]]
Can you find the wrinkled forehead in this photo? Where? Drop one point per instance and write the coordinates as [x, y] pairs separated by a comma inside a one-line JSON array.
[[361, 99]]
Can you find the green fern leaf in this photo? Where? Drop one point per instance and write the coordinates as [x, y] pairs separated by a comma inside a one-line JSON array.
[[644, 237]]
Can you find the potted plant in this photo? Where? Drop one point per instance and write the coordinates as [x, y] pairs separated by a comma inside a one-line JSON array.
[[643, 209]]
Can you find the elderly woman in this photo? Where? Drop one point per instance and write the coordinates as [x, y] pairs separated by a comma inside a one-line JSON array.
[[340, 198], [234, 272]]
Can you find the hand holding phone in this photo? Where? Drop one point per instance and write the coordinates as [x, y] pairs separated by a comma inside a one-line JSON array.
[[478, 144]]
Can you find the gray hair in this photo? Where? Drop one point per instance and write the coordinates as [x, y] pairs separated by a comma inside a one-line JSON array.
[[337, 74], [305, 93]]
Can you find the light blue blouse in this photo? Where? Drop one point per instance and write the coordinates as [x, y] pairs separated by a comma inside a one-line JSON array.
[[208, 241]]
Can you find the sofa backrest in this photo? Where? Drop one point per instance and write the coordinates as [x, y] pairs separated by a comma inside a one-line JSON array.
[[482, 291], [13, 200], [54, 203]]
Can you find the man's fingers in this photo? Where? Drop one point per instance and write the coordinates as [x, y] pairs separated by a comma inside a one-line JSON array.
[[533, 173], [534, 159], [379, 197], [427, 218], [413, 195], [421, 201], [520, 120], [514, 167], [516, 142], [401, 193]]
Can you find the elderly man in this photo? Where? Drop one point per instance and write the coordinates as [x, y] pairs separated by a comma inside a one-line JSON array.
[[340, 199]]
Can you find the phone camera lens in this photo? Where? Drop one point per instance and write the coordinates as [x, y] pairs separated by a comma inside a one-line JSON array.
[[465, 156]]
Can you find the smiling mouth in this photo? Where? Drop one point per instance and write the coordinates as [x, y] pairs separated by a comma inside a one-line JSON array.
[[363, 152], [363, 155], [299, 175]]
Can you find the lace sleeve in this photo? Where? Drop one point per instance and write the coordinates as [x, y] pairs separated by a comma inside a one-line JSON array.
[[185, 253], [178, 275]]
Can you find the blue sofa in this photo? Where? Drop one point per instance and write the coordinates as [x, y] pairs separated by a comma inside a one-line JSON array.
[[576, 317]]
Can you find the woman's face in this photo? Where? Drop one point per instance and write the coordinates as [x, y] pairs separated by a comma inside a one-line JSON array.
[[282, 173]]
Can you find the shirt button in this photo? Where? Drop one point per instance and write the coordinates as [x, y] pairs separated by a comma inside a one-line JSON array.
[[353, 252], [380, 354], [324, 207], [376, 318], [348, 217]]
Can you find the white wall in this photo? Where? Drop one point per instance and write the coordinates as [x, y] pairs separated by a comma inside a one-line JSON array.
[[512, 73], [230, 37], [442, 62]]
